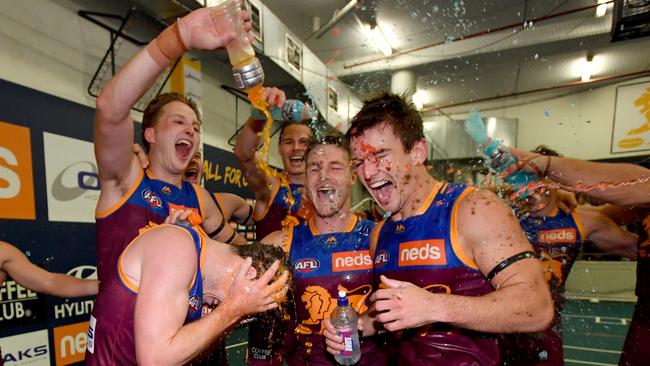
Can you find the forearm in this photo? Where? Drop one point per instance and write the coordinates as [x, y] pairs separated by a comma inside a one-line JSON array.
[[191, 339], [603, 180], [67, 286], [515, 308], [248, 140]]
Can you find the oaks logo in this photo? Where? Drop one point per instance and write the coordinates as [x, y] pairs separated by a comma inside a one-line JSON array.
[[422, 253], [351, 261], [565, 235], [306, 265], [381, 258]]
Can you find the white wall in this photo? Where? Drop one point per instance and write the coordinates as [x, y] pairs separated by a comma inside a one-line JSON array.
[[577, 125]]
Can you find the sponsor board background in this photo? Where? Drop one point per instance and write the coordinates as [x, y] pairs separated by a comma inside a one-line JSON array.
[[61, 132]]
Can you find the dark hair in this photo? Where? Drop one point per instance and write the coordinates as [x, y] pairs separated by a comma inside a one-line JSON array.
[[263, 256], [546, 151], [394, 110], [292, 123], [150, 116], [333, 138]]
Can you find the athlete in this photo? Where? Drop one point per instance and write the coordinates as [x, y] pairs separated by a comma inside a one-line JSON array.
[[557, 238], [150, 311], [451, 262], [329, 252], [14, 264], [232, 207], [627, 188], [272, 203]]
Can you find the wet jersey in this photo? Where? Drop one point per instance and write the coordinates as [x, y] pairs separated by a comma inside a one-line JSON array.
[[636, 350], [324, 264], [277, 210], [424, 249], [557, 239], [111, 338], [149, 201]]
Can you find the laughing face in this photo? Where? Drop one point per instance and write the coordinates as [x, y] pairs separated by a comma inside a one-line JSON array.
[[194, 171], [384, 168], [174, 139], [329, 179], [293, 144]]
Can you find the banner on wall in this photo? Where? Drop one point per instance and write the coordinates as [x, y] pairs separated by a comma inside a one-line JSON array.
[[221, 173], [71, 179], [20, 306], [31, 349], [16, 177], [631, 131]]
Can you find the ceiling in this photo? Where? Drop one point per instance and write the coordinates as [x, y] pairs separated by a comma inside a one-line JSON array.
[[464, 51]]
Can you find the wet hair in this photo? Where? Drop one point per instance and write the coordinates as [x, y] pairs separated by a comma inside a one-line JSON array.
[[274, 321], [333, 138], [293, 123], [394, 110], [546, 151], [152, 112], [263, 256]]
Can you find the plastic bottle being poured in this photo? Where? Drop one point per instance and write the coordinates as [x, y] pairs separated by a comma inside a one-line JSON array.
[[249, 75], [498, 157]]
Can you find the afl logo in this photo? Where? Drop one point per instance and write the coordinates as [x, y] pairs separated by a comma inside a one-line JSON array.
[[151, 198], [307, 265], [194, 304], [381, 258]]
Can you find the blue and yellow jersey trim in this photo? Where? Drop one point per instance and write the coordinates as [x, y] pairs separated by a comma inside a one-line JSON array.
[[274, 192], [130, 285]]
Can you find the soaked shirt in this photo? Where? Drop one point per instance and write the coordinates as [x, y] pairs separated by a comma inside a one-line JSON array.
[[324, 264], [271, 220], [111, 338], [557, 240], [424, 249]]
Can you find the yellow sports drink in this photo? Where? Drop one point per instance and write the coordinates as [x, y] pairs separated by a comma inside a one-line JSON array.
[[248, 73]]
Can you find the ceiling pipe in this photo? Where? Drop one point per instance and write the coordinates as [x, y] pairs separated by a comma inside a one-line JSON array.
[[555, 87], [335, 19], [474, 35]]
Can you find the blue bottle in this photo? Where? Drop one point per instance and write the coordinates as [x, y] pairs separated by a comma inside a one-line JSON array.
[[496, 154], [292, 110]]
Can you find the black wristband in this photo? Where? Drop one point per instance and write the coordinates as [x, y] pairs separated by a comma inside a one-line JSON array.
[[508, 261], [218, 230], [229, 241], [250, 213]]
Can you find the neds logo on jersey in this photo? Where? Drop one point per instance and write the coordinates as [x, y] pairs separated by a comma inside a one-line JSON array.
[[355, 260], [422, 253], [381, 258], [307, 265], [565, 235]]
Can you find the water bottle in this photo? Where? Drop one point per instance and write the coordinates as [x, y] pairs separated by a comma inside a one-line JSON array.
[[344, 320], [291, 110], [497, 155]]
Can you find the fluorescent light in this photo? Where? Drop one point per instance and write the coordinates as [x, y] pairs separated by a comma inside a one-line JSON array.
[[587, 68], [601, 9], [380, 41], [418, 100]]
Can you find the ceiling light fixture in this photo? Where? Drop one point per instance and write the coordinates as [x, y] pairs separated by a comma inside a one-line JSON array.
[[601, 9], [373, 32], [587, 68], [418, 100]]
